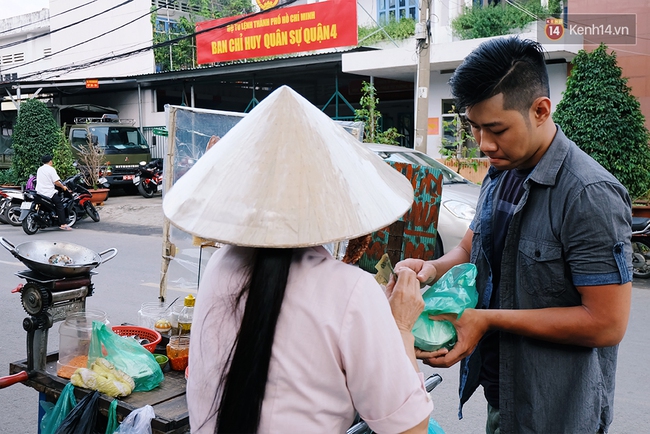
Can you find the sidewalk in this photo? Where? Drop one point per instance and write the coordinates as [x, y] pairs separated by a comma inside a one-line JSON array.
[[132, 210]]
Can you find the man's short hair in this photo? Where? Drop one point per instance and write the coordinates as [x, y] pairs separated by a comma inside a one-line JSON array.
[[509, 65], [46, 159]]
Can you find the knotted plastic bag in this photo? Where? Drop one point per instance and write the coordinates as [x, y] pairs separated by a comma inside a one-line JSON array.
[[454, 292], [54, 414], [127, 355]]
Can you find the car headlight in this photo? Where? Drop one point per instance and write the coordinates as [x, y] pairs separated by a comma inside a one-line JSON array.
[[459, 209]]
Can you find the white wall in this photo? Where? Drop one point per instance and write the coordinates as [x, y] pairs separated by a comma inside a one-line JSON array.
[[132, 36], [25, 26]]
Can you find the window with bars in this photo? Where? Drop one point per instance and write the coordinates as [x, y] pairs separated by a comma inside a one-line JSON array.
[[47, 51], [395, 10], [19, 57], [7, 59]]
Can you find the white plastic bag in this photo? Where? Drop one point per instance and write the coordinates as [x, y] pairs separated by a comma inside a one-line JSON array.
[[138, 421]]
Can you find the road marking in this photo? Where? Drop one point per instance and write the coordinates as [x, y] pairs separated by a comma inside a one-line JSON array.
[[171, 288]]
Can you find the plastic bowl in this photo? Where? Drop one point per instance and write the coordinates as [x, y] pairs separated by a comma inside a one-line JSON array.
[[162, 360], [152, 336]]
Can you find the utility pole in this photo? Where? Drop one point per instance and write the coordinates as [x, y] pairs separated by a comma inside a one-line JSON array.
[[422, 40]]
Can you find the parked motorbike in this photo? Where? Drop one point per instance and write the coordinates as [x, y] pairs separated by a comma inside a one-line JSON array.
[[641, 247], [149, 178], [10, 200], [81, 197], [39, 212]]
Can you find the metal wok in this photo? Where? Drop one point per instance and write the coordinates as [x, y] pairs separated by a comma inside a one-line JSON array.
[[36, 254]]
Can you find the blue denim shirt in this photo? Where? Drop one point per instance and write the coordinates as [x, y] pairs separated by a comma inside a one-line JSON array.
[[571, 228]]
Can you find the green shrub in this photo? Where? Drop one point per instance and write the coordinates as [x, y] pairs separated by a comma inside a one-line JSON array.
[[401, 29], [600, 114], [502, 19], [62, 157], [370, 115], [8, 177], [35, 134]]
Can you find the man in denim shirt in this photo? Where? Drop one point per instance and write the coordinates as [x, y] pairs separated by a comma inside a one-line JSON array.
[[551, 243]]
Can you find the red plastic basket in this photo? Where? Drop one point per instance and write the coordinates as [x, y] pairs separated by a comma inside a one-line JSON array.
[[152, 336]]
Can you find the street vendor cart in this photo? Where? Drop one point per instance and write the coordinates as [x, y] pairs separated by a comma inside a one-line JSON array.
[[54, 290]]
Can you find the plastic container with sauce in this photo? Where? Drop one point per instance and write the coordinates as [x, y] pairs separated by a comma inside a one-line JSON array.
[[74, 340], [178, 352]]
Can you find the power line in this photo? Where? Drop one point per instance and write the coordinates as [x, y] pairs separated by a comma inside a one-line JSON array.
[[70, 68], [11, 44], [49, 18], [86, 41]]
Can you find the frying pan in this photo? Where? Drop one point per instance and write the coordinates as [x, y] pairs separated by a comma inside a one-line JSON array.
[[36, 254]]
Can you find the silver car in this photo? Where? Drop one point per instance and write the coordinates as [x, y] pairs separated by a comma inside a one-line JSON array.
[[459, 196]]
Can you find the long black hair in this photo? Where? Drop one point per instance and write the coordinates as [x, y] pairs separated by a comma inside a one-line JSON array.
[[244, 384]]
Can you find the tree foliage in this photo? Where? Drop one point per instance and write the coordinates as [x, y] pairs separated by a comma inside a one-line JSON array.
[[462, 150], [182, 54], [35, 134], [370, 115], [600, 114], [401, 29], [500, 19], [62, 157]]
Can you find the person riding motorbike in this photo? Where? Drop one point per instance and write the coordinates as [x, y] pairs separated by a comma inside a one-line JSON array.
[[47, 180]]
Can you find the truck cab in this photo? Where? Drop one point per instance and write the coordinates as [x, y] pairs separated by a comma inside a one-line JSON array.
[[123, 145]]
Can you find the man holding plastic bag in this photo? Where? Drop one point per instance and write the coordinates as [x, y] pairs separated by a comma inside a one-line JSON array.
[[551, 245]]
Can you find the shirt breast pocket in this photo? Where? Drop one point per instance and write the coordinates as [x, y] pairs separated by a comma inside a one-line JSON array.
[[541, 270]]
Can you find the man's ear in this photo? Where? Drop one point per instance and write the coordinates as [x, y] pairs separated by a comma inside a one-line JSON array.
[[540, 110]]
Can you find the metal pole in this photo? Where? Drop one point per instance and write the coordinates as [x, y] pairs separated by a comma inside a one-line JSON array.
[[422, 39], [140, 107]]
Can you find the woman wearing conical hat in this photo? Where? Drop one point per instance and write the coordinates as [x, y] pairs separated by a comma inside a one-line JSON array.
[[285, 339]]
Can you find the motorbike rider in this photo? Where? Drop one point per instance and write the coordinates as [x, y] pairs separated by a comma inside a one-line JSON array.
[[46, 182]]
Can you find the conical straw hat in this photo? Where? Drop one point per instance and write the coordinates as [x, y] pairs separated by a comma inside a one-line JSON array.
[[287, 175]]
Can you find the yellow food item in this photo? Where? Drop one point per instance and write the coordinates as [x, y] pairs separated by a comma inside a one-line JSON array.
[[103, 377], [162, 325]]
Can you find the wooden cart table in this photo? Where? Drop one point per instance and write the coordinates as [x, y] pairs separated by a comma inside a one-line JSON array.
[[167, 400]]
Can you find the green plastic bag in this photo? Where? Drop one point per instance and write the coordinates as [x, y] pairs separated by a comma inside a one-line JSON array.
[[452, 293], [112, 424], [127, 355], [55, 413]]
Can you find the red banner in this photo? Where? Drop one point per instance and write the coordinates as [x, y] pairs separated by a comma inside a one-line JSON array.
[[293, 29]]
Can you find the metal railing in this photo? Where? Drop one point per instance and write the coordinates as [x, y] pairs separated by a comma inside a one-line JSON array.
[[157, 144]]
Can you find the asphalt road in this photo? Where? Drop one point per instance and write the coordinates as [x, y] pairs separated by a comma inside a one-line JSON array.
[[133, 225]]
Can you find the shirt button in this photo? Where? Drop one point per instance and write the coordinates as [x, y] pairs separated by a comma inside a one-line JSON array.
[[538, 253], [617, 249]]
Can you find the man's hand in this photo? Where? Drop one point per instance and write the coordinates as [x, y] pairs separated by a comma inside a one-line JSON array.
[[470, 328], [405, 299]]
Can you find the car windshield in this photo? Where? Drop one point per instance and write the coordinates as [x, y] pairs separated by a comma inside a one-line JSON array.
[[448, 175], [118, 138]]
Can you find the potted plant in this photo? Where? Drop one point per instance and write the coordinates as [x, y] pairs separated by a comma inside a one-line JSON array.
[[90, 160]]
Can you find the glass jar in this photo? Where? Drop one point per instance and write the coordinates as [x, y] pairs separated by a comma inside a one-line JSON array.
[[178, 352], [74, 340]]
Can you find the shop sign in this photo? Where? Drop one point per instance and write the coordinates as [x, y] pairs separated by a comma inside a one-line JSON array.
[[294, 29], [92, 84]]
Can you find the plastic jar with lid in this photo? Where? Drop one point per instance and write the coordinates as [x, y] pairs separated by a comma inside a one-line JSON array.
[[74, 340], [178, 352], [151, 312]]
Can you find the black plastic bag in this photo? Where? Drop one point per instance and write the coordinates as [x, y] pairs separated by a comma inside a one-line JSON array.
[[82, 418]]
